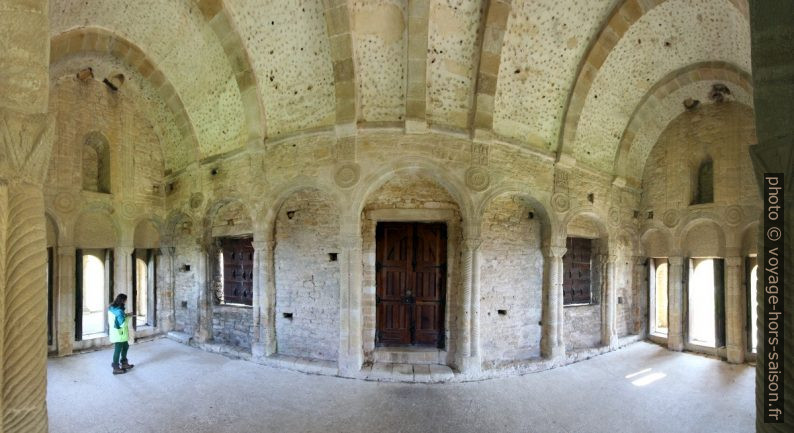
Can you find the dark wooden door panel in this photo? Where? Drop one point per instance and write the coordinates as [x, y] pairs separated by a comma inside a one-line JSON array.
[[238, 270], [410, 282]]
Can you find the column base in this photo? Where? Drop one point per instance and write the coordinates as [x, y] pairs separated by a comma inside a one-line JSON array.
[[349, 366], [675, 343], [735, 354], [258, 351], [555, 352], [469, 364]]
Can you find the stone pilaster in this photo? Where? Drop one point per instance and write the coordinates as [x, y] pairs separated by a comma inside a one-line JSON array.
[[122, 274], [268, 303], [351, 353], [205, 298], [258, 302], [609, 301], [167, 313], [552, 343], [734, 310], [463, 356], [640, 288], [65, 295], [675, 304]]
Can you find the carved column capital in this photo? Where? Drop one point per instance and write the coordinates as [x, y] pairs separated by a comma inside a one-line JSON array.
[[676, 261], [67, 250], [555, 252], [260, 246], [25, 146], [733, 261], [471, 243]]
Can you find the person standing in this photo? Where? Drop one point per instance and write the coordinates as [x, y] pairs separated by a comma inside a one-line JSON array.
[[119, 333]]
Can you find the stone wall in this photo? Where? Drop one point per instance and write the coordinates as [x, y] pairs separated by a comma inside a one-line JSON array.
[[307, 278], [511, 275], [232, 325], [582, 327]]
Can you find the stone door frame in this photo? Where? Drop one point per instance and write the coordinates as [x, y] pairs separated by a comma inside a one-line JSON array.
[[452, 220]]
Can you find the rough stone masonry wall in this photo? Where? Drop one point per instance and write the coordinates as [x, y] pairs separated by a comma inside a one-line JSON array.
[[307, 280], [511, 275], [186, 283], [232, 325]]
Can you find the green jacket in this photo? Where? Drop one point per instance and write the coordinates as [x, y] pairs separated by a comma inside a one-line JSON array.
[[118, 325]]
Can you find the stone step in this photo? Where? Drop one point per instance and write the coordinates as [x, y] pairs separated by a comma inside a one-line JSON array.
[[401, 372], [409, 355]]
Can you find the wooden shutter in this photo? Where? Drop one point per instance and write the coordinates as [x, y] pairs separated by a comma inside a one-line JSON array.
[[576, 282], [238, 271]]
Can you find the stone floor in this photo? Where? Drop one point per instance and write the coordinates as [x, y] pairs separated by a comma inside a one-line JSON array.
[[176, 388]]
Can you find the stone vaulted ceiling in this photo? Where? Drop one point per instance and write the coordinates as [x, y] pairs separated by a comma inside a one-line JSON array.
[[594, 82]]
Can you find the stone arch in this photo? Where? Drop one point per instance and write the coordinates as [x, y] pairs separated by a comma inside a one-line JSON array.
[[96, 163], [228, 216], [749, 239], [646, 112], [702, 236], [592, 224], [99, 40], [146, 234], [176, 225], [657, 242], [550, 230], [267, 218], [52, 230], [96, 228], [512, 272], [622, 17], [442, 176], [307, 274], [214, 11], [490, 43]]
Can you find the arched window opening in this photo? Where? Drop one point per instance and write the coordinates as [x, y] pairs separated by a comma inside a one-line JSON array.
[[96, 163], [704, 183]]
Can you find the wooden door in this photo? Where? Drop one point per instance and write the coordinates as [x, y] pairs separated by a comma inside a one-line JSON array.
[[410, 284]]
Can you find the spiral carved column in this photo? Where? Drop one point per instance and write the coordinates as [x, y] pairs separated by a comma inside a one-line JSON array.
[[464, 344], [552, 343], [25, 333]]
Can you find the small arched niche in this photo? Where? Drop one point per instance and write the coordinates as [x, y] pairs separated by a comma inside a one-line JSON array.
[[703, 182], [96, 163]]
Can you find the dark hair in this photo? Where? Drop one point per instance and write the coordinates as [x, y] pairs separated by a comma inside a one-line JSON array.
[[119, 301]]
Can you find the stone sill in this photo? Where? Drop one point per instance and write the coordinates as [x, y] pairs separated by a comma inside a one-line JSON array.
[[235, 306], [592, 304]]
